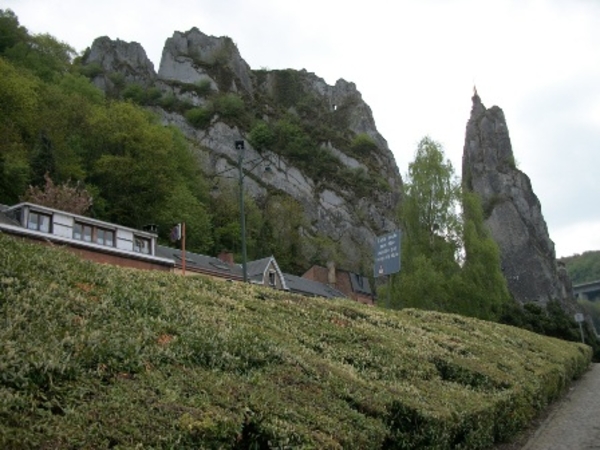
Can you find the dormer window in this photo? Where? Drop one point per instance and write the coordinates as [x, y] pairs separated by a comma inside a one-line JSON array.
[[39, 222], [141, 245], [89, 233], [272, 278], [82, 232], [105, 237]]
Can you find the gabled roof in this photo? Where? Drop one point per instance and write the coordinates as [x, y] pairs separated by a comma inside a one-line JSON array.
[[257, 270], [309, 287]]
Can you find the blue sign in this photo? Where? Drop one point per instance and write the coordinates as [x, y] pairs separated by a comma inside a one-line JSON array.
[[387, 254]]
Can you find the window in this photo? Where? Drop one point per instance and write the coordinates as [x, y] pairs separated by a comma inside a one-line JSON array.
[[82, 232], [88, 233], [105, 237], [141, 245], [271, 278], [39, 222]]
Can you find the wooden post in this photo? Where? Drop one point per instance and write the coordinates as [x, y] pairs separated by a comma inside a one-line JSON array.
[[183, 248]]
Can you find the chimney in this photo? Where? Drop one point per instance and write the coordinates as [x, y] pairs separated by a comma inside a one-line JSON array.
[[226, 257], [331, 280]]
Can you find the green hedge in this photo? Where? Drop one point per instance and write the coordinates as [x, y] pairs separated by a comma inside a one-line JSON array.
[[94, 356]]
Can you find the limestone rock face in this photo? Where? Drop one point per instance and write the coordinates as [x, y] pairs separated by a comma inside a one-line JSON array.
[[188, 57], [128, 59], [197, 69], [512, 210]]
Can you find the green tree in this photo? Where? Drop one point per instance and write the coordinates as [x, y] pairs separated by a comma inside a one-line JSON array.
[[11, 32], [130, 159], [182, 206], [69, 197], [431, 230], [281, 233], [429, 213], [432, 197], [225, 209], [482, 290], [583, 268], [19, 104], [43, 54]]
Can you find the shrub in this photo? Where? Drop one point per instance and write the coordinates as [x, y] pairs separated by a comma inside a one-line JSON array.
[[363, 145], [199, 117], [97, 356], [261, 136], [229, 106]]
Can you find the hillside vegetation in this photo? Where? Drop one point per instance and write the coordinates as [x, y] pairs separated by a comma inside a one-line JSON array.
[[95, 356], [583, 268]]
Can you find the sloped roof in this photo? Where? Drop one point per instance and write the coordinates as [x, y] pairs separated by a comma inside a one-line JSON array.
[[309, 287], [203, 263], [5, 218], [257, 270]]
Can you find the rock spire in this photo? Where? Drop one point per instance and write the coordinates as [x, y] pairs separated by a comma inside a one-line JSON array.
[[512, 210]]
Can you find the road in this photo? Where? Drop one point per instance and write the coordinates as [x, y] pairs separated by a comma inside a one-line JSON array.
[[574, 423]]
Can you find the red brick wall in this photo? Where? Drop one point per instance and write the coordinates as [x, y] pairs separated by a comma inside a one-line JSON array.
[[117, 260]]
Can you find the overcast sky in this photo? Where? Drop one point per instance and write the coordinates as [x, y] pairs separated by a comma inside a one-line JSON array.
[[415, 63]]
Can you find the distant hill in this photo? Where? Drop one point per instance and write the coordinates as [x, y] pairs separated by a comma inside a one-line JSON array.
[[583, 267], [95, 356]]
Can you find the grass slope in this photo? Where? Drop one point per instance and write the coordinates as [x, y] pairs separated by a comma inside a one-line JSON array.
[[95, 356]]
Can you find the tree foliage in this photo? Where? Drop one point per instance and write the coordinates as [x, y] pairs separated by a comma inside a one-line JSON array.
[[68, 197], [583, 268], [449, 261], [54, 121]]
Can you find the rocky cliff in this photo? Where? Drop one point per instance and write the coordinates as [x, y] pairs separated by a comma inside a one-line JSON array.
[[319, 141], [512, 210]]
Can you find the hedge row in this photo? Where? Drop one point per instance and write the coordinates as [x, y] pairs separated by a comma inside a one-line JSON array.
[[95, 356]]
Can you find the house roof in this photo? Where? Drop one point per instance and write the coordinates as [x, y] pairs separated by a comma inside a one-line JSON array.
[[310, 287], [257, 270], [202, 263], [5, 217], [11, 225], [78, 217]]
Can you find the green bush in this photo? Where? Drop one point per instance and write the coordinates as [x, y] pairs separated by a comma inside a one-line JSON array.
[[94, 356], [261, 136], [229, 106], [363, 145], [199, 117]]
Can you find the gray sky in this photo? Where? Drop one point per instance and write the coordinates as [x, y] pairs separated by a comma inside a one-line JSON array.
[[415, 63]]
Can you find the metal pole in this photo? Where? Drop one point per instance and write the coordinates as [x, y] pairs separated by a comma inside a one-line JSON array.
[[581, 330], [389, 292], [240, 148], [183, 248]]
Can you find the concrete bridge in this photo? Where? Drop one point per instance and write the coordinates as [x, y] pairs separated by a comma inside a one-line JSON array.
[[589, 291]]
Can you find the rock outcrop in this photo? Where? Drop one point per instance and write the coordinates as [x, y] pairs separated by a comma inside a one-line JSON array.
[[196, 69], [512, 210], [127, 59], [188, 58]]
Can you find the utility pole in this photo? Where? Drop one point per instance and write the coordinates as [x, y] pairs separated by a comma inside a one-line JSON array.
[[239, 146]]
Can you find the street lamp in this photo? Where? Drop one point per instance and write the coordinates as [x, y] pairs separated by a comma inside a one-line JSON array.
[[239, 146]]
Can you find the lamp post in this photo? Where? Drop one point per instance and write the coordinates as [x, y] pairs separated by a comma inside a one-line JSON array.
[[239, 146]]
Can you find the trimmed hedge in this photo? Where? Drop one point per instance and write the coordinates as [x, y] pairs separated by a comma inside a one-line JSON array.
[[94, 356]]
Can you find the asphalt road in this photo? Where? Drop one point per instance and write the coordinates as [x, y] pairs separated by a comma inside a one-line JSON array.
[[574, 424]]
